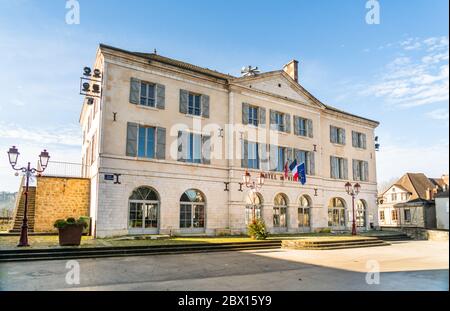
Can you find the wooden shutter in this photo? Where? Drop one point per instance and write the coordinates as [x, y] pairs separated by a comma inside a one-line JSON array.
[[364, 141], [132, 133], [184, 99], [333, 134], [262, 117], [135, 88], [206, 149], [160, 143], [354, 139], [289, 155], [245, 113], [263, 156], [296, 125], [312, 163], [309, 128], [342, 136], [345, 161], [160, 96], [273, 157], [355, 170], [287, 122], [205, 106], [366, 170], [244, 159], [182, 146], [273, 125], [333, 167]]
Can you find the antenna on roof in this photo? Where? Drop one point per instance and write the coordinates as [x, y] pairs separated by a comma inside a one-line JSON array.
[[249, 71], [155, 51]]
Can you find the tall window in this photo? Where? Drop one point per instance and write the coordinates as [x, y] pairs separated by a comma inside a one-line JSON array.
[[253, 155], [192, 210], [382, 216], [253, 207], [194, 148], [194, 104], [303, 127], [143, 210], [359, 140], [337, 135], [336, 213], [146, 142], [394, 197], [303, 212], [253, 118], [279, 121], [339, 168], [281, 156], [147, 94], [394, 215], [280, 211], [361, 214], [307, 157], [407, 215], [360, 170]]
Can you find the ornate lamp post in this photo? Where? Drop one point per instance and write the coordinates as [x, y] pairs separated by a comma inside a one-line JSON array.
[[254, 185], [13, 155], [353, 191]]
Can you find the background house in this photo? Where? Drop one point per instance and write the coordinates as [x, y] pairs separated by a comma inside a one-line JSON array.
[[442, 210]]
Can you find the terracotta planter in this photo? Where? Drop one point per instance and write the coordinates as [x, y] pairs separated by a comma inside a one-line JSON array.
[[70, 235]]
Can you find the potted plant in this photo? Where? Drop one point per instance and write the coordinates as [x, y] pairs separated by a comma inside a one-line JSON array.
[[257, 230], [70, 231]]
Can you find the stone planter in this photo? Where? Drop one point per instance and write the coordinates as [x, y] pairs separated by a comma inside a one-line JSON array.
[[70, 235]]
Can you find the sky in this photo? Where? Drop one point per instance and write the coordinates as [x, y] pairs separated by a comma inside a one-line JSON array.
[[395, 72]]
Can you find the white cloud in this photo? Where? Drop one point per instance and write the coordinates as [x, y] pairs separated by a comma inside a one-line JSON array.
[[439, 114], [408, 81]]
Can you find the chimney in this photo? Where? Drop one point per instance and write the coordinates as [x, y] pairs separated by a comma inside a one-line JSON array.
[[291, 69]]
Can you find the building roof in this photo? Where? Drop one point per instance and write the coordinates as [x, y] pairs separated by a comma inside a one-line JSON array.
[[218, 75], [416, 183], [441, 195]]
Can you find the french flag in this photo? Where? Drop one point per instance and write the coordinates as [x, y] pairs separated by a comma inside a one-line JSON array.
[[294, 169], [298, 171]]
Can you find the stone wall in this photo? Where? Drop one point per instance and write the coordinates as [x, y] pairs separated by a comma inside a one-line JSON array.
[[422, 233], [60, 198]]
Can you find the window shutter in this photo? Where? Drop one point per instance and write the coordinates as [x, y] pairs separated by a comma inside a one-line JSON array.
[[135, 86], [354, 139], [364, 139], [182, 146], [263, 156], [342, 136], [273, 160], [245, 113], [333, 167], [366, 171], [132, 130], [206, 149], [244, 160], [333, 134], [309, 126], [297, 155], [205, 106], [345, 168], [287, 122], [355, 170], [296, 125], [184, 98], [289, 155], [273, 125], [312, 163], [262, 116], [160, 143], [160, 96]]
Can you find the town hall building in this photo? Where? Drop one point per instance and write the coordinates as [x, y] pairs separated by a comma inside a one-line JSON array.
[[166, 145]]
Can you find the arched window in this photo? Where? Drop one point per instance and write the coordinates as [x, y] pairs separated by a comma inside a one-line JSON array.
[[253, 207], [192, 210], [280, 205], [336, 213], [361, 214], [304, 212], [143, 210]]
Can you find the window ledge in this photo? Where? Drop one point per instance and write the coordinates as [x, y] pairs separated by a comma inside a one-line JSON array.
[[338, 145], [193, 116], [147, 107]]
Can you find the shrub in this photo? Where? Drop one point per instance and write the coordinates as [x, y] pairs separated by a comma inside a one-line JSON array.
[[325, 230], [257, 230], [61, 223]]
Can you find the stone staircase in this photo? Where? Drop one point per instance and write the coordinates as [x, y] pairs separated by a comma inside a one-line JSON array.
[[331, 244], [395, 237], [18, 217]]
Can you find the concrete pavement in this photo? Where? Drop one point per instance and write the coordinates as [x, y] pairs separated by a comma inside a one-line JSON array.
[[412, 265]]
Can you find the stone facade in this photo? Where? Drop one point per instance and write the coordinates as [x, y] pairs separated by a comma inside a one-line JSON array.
[[60, 198], [104, 126]]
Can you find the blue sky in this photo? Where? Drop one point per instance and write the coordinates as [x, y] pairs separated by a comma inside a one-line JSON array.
[[395, 72]]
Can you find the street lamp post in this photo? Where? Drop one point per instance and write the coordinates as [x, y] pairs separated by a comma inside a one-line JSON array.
[[13, 155], [254, 185], [353, 191]]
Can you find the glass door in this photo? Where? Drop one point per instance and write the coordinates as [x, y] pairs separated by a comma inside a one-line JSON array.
[[143, 217]]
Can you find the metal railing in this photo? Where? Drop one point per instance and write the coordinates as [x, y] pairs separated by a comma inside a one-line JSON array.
[[64, 169]]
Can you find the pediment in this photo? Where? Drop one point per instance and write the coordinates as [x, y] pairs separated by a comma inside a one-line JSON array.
[[279, 83]]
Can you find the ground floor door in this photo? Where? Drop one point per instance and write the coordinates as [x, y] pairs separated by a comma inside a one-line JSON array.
[[143, 217]]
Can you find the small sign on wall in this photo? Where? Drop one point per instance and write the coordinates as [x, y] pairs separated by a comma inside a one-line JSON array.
[[113, 177], [109, 177]]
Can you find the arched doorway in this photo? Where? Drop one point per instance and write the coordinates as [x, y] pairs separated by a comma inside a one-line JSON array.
[[280, 206], [304, 214], [253, 206], [143, 212], [336, 214], [361, 214], [192, 211]]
